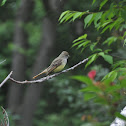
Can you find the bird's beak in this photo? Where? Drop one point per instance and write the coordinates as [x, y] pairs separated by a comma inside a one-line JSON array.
[[68, 55]]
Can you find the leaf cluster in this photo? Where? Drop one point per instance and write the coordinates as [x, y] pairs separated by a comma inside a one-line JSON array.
[[109, 91], [110, 19]]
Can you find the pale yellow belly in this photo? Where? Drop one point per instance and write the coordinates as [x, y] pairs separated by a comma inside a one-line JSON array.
[[59, 68]]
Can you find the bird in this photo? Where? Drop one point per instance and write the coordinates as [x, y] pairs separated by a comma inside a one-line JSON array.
[[57, 64]]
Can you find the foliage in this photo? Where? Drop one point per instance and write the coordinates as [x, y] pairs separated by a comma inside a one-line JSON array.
[[3, 2], [110, 90], [112, 18]]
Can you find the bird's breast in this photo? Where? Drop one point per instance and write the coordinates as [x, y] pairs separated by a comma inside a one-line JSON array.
[[59, 68]]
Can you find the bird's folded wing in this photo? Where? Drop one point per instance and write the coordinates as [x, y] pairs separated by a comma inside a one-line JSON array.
[[54, 65]]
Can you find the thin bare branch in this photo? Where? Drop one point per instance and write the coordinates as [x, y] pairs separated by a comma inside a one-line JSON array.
[[2, 61], [7, 78], [6, 119], [50, 76], [2, 124]]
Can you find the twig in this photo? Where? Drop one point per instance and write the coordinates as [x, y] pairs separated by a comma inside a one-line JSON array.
[[2, 124], [48, 77], [6, 117], [2, 61], [118, 121], [7, 78]]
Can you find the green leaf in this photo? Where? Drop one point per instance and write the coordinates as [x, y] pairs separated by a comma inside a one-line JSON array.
[[87, 19], [121, 63], [92, 46], [116, 23], [101, 100], [108, 50], [106, 28], [97, 17], [107, 58], [124, 35], [3, 2], [106, 23], [111, 76], [80, 45], [104, 16], [69, 16], [84, 47], [84, 44], [101, 54], [83, 79], [121, 69], [77, 43], [78, 14], [91, 88], [113, 88], [80, 38], [123, 83], [97, 50], [102, 4], [63, 14], [110, 40], [89, 96], [117, 114], [92, 19], [66, 16], [93, 2], [93, 58]]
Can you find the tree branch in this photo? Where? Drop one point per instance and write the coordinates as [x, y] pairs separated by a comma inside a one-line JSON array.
[[6, 119], [7, 78], [50, 76], [42, 79], [2, 61]]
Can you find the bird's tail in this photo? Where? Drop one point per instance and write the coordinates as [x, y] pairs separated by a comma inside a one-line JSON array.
[[45, 71]]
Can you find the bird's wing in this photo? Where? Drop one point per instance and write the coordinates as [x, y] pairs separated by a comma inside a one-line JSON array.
[[54, 65]]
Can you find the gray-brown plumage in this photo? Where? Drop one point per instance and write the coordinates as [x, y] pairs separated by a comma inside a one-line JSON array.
[[57, 64]]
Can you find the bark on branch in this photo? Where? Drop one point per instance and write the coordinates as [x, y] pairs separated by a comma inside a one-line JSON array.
[[44, 78], [7, 78], [4, 122]]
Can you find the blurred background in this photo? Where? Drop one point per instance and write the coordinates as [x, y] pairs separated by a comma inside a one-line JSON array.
[[30, 38]]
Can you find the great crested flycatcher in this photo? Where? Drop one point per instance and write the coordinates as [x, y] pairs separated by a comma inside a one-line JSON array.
[[57, 64]]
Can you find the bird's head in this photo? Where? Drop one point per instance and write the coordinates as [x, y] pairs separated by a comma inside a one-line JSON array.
[[64, 54]]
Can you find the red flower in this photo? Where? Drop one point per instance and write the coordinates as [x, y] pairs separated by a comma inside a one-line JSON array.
[[92, 74]]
